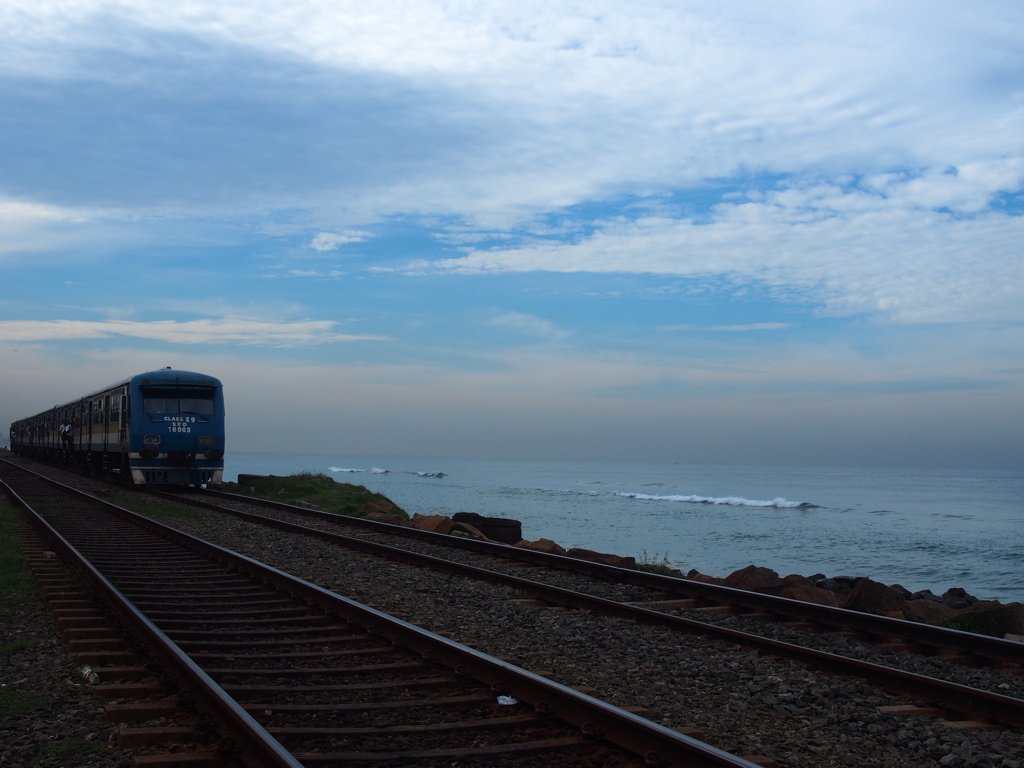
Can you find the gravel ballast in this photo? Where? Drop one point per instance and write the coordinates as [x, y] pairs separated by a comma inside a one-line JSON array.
[[64, 724], [740, 701]]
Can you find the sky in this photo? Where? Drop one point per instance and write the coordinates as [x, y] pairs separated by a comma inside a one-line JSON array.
[[784, 232]]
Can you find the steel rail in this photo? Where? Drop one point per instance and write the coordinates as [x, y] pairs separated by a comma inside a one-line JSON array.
[[952, 696], [226, 710], [657, 745], [872, 625]]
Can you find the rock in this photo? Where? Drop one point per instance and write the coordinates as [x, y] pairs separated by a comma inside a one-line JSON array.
[[870, 596], [755, 579], [494, 528], [958, 598], [502, 529], [695, 575], [603, 558], [809, 593], [467, 530], [840, 585], [541, 545], [996, 619], [904, 592], [434, 523], [796, 587], [926, 610], [473, 518]]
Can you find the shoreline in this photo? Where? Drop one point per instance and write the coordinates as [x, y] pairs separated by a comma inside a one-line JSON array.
[[955, 608]]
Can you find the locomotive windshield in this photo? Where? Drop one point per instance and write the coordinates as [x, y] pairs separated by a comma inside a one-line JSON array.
[[177, 400]]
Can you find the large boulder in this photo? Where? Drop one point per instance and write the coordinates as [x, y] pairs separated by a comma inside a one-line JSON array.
[[602, 557], [841, 586], [754, 578], [808, 593], [926, 611], [501, 529], [541, 545], [870, 596], [695, 575], [460, 528], [993, 618], [958, 598], [434, 523]]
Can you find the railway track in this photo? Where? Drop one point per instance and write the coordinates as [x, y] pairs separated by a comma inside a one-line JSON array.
[[296, 675], [650, 591], [967, 700]]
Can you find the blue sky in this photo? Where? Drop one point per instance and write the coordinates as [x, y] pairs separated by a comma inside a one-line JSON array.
[[778, 232]]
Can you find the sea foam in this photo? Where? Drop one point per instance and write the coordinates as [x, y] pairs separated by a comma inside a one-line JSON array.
[[731, 501]]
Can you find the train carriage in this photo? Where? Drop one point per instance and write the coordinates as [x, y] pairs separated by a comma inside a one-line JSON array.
[[164, 427]]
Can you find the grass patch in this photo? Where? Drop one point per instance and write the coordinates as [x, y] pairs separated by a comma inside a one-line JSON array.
[[16, 584], [969, 622], [14, 646], [15, 703], [316, 490], [661, 567]]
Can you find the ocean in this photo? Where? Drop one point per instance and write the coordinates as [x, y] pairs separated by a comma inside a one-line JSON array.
[[921, 528]]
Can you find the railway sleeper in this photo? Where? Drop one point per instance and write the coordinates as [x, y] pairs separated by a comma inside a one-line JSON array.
[[133, 736], [142, 689], [131, 691], [141, 711]]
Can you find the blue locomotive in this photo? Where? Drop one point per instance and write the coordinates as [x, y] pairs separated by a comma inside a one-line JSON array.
[[165, 427]]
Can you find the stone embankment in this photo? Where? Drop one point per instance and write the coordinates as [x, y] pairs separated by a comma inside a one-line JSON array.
[[954, 607]]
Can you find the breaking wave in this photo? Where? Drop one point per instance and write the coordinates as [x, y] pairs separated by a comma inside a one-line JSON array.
[[379, 471], [730, 501]]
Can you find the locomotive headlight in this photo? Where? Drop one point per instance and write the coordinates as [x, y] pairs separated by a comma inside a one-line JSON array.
[[207, 445], [150, 446]]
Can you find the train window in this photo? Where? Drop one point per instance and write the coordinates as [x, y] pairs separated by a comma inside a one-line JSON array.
[[197, 401], [171, 400]]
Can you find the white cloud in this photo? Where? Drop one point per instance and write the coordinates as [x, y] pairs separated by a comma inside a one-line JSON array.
[[969, 188], [331, 241], [228, 330], [566, 103], [14, 212], [27, 226], [851, 250], [529, 325]]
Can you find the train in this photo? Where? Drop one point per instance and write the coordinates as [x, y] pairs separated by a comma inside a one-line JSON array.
[[163, 427]]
